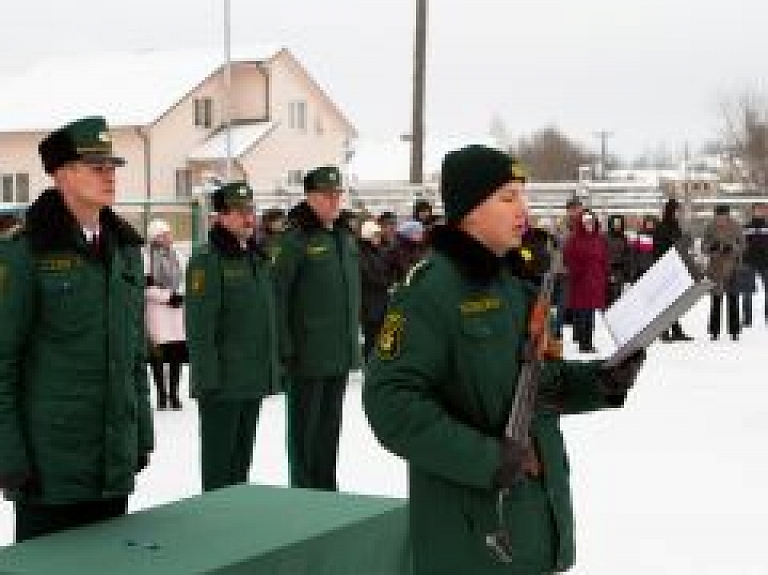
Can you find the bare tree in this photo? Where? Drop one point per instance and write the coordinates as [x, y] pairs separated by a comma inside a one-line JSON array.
[[551, 156], [745, 134]]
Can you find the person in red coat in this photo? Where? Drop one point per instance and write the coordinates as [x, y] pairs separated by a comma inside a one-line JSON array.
[[586, 258]]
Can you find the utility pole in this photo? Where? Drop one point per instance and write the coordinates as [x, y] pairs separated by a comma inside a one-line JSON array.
[[687, 200], [603, 134], [228, 85], [419, 88]]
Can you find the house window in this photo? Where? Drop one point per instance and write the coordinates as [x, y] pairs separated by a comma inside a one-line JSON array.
[[22, 188], [319, 128], [7, 188], [204, 112], [183, 183], [299, 116]]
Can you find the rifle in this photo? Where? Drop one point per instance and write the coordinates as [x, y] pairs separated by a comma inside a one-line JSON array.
[[539, 346]]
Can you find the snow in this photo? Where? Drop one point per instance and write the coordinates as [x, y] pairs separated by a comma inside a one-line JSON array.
[[130, 88], [674, 483], [242, 138]]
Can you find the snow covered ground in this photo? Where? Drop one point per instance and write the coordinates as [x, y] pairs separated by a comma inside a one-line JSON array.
[[675, 483]]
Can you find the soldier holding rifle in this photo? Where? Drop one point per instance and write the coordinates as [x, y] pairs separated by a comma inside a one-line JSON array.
[[445, 375]]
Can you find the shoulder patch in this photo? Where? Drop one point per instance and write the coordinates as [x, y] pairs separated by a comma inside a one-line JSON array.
[[417, 268], [196, 281], [390, 339]]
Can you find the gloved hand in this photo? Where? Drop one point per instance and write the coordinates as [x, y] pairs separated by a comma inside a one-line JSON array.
[[618, 379], [175, 300], [142, 461], [510, 471]]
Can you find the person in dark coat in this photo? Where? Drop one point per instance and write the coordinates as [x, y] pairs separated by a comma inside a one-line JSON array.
[[232, 334], [619, 256], [75, 417], [723, 241], [585, 256], [411, 247], [317, 277], [442, 378], [756, 253], [668, 234], [377, 277]]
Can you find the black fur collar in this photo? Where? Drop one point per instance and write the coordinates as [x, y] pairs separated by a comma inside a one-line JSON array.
[[50, 226], [229, 246], [304, 217], [478, 264], [226, 242]]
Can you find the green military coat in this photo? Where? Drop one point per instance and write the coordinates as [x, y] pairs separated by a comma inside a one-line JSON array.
[[318, 288], [74, 400], [438, 392], [230, 321]]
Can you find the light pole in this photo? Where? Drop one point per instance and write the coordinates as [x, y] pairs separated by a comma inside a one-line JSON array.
[[419, 88], [603, 134], [228, 85]]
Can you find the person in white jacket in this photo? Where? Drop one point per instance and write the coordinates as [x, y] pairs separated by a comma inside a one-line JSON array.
[[164, 313]]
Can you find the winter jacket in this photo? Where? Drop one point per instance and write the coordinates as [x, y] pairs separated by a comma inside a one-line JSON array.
[[74, 399], [438, 392], [586, 258], [230, 319], [724, 245], [756, 238], [377, 277], [317, 278], [165, 323]]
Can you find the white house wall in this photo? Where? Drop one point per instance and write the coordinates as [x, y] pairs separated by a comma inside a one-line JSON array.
[[288, 149]]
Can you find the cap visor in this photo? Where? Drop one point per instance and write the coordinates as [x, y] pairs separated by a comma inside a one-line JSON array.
[[102, 159]]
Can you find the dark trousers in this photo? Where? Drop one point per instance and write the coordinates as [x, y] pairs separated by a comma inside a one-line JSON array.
[[227, 431], [174, 354], [314, 409], [36, 519], [746, 308], [763, 274], [715, 312], [583, 326]]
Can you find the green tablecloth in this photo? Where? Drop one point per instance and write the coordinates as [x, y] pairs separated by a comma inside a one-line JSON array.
[[243, 529]]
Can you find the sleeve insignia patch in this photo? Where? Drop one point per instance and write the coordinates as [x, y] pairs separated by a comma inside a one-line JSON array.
[[480, 305], [316, 250], [390, 339], [3, 279], [197, 281]]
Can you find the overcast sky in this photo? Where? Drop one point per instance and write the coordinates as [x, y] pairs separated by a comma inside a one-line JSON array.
[[653, 73]]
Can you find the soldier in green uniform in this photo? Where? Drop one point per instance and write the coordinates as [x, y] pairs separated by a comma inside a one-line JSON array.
[[75, 421], [232, 337], [318, 290], [441, 383]]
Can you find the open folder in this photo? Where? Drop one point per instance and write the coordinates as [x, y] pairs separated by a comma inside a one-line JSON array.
[[652, 304]]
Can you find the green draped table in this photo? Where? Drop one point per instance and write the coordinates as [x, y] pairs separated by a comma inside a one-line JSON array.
[[242, 529]]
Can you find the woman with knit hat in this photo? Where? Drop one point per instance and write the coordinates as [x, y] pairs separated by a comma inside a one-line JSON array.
[[164, 313]]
